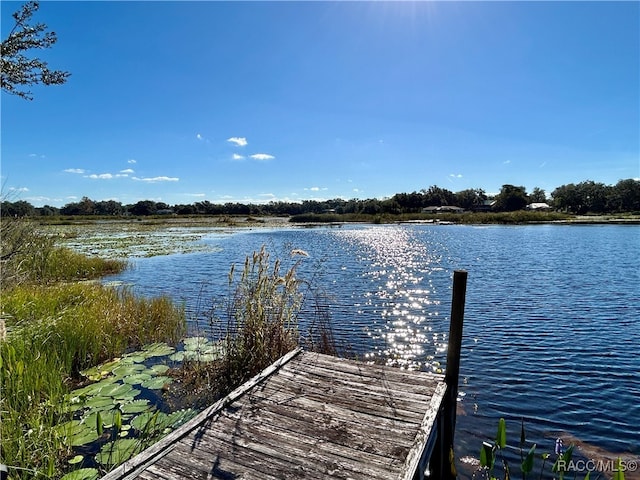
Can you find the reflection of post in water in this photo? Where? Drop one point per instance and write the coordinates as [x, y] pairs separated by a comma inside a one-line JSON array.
[[443, 463]]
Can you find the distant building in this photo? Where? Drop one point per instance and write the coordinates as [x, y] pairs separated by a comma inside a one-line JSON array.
[[485, 206], [443, 209], [539, 206]]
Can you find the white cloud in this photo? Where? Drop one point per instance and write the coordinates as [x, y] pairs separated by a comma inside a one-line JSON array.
[[127, 171], [18, 189], [156, 179], [455, 175], [239, 141], [101, 176], [75, 170], [41, 199], [131, 161], [316, 189], [199, 137], [262, 156], [238, 157], [33, 154], [356, 190], [506, 162], [199, 195], [106, 176]]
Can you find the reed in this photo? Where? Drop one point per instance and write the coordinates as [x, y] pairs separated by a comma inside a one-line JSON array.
[[260, 319], [257, 321]]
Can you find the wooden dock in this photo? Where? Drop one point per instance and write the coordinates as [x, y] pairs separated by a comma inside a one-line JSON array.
[[314, 416], [307, 416]]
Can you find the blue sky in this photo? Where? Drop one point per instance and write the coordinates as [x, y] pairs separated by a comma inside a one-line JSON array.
[[258, 101]]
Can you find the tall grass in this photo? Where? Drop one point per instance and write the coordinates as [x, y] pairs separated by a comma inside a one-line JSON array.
[[258, 321], [27, 256]]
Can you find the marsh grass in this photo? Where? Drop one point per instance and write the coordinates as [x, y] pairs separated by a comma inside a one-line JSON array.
[[260, 318], [257, 322], [53, 327]]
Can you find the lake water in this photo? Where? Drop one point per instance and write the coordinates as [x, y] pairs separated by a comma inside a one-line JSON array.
[[552, 320]]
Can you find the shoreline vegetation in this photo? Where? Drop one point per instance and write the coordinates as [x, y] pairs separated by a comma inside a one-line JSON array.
[[55, 322], [62, 332], [520, 217]]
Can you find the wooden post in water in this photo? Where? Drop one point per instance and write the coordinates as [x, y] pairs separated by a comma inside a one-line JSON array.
[[444, 467]]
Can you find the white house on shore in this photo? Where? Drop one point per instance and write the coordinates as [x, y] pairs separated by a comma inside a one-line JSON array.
[[539, 206]]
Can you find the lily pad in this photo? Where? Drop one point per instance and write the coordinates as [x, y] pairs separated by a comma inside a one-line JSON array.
[[82, 474], [159, 369], [158, 350], [128, 369], [99, 402], [115, 453], [177, 357], [175, 419], [116, 390], [136, 357], [192, 343], [136, 406], [155, 383], [136, 378], [83, 437], [75, 460]]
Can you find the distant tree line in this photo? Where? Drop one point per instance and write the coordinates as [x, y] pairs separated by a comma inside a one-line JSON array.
[[582, 198]]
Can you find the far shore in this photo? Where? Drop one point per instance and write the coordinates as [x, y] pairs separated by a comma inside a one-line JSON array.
[[244, 221]]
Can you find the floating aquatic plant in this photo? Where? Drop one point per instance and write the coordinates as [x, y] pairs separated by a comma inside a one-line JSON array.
[[109, 411], [82, 474], [198, 349]]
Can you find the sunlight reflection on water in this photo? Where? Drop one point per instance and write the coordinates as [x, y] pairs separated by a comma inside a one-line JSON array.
[[400, 293]]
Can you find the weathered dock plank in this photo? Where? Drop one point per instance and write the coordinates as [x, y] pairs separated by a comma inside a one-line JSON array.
[[308, 416]]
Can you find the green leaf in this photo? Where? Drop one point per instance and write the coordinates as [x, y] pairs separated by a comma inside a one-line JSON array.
[[136, 406], [160, 369], [618, 473], [501, 436], [115, 453], [156, 383], [177, 357], [82, 474], [99, 426], [99, 402], [158, 350], [136, 378], [75, 460], [117, 420], [562, 462], [149, 422], [523, 436], [84, 437], [527, 464], [487, 456]]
